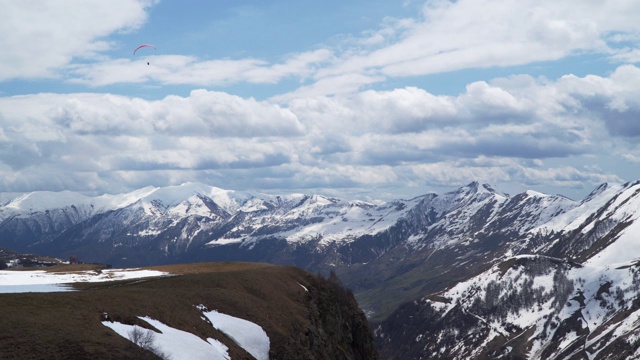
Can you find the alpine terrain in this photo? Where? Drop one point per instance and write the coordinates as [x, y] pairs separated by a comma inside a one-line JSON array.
[[471, 273]]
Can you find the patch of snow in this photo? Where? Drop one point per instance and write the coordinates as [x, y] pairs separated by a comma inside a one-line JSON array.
[[180, 344], [176, 343], [148, 232], [246, 334], [225, 241], [10, 278]]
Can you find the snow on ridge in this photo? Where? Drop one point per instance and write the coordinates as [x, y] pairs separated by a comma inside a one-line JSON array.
[[466, 195], [327, 219], [46, 200], [41, 201], [112, 202], [576, 216], [174, 195], [542, 208], [307, 217], [533, 193]]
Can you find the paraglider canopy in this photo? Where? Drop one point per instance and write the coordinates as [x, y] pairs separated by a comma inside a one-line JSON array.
[[142, 46]]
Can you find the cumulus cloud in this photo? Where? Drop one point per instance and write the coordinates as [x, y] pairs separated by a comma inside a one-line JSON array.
[[503, 130], [98, 133]]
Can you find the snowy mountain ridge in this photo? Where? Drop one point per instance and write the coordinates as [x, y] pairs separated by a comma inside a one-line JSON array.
[[401, 258], [249, 217], [41, 201]]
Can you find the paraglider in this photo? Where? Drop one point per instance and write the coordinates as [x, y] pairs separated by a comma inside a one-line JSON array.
[[143, 46]]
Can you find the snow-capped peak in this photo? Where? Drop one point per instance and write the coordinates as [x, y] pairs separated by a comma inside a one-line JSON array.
[[46, 200]]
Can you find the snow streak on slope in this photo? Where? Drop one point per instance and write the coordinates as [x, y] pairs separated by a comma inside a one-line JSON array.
[[178, 344], [248, 335], [174, 343]]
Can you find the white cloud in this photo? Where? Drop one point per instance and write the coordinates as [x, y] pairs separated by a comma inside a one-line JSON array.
[[46, 40], [38, 39], [57, 139], [50, 117], [633, 158], [180, 69], [487, 33]]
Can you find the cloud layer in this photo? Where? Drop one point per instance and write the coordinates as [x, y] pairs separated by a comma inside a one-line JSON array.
[[505, 130]]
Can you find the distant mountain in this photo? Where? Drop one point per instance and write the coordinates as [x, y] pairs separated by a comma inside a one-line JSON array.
[[395, 256]]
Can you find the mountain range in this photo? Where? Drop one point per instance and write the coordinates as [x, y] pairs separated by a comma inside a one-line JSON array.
[[469, 273]]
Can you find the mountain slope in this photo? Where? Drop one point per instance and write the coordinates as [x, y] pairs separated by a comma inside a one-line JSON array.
[[304, 316], [529, 307], [582, 303]]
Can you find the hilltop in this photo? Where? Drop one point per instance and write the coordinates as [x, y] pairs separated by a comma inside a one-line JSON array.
[[303, 315]]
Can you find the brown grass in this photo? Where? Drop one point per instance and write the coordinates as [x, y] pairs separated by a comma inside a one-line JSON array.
[[68, 325]]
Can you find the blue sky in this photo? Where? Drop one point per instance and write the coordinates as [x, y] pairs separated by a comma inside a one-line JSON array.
[[360, 99]]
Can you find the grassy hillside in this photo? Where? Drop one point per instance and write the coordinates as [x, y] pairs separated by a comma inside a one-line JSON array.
[[321, 323]]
